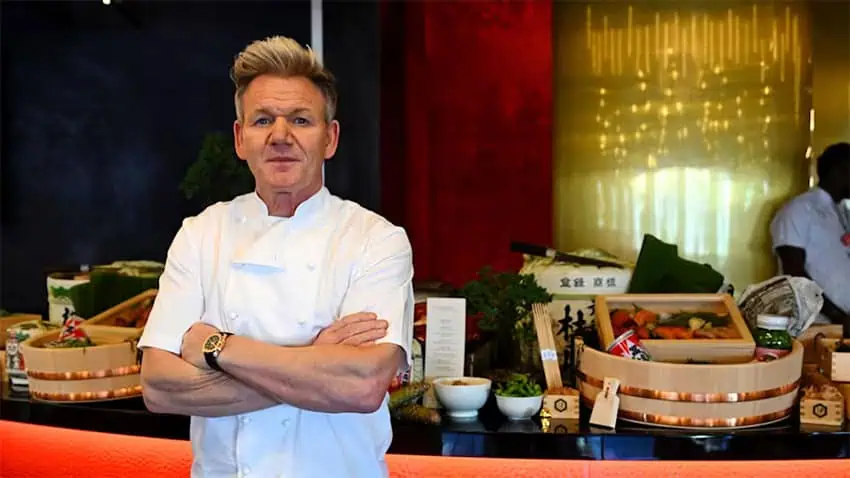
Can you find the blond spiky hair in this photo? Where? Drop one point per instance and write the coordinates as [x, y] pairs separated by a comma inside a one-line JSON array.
[[284, 57]]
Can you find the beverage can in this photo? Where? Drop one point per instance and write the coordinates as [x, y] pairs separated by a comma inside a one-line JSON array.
[[72, 330], [628, 346]]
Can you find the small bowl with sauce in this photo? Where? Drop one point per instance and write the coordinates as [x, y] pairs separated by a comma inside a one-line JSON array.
[[462, 396]]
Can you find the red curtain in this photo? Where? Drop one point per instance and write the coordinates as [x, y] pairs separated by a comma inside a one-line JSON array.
[[466, 131]]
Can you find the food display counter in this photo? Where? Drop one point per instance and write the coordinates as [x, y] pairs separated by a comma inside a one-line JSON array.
[[490, 436]]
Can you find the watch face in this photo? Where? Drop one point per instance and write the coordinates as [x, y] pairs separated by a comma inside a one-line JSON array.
[[212, 343]]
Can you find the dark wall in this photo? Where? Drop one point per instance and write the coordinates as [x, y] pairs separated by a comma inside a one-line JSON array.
[[103, 109], [352, 52]]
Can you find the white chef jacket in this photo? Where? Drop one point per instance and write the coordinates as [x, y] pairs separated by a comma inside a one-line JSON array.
[[813, 222], [281, 280]]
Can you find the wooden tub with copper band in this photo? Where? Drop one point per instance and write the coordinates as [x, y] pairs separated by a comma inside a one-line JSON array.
[[108, 370], [694, 395]]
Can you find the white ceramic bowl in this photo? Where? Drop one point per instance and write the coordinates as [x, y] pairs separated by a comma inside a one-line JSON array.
[[462, 396], [519, 408]]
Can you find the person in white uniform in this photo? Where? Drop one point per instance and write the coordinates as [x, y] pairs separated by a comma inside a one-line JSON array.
[[284, 314], [811, 234]]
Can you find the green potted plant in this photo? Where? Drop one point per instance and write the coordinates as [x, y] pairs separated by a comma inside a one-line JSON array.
[[519, 398], [501, 302], [217, 174]]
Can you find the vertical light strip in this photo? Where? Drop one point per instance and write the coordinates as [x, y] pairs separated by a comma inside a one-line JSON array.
[[317, 37], [316, 32]]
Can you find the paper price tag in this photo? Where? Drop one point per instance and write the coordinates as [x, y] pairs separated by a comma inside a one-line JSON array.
[[548, 354]]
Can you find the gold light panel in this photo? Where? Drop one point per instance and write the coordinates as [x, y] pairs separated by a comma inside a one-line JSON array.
[[685, 120]]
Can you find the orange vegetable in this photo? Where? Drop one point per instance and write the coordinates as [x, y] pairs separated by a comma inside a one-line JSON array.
[[645, 317], [672, 332]]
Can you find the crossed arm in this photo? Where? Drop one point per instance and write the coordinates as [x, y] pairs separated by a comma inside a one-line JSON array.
[[343, 370], [328, 377]]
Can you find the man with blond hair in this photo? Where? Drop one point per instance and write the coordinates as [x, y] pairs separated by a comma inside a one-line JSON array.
[[284, 314]]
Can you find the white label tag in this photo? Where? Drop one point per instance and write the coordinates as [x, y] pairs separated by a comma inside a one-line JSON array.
[[548, 354]]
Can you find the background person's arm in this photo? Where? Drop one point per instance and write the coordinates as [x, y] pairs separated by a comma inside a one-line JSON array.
[[793, 261]]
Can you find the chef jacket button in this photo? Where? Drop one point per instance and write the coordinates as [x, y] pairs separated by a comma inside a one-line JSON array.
[[234, 315], [302, 323], [285, 422], [245, 420], [243, 220], [311, 267]]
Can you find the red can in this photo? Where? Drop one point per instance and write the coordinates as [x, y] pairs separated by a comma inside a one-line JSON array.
[[72, 330], [628, 346]]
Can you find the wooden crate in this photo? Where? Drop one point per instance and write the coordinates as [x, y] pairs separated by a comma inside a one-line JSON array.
[[821, 412], [559, 406], [835, 365], [694, 396], [133, 311], [716, 351], [823, 405], [810, 338]]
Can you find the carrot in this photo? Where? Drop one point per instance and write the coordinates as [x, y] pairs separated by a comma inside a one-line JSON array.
[[684, 333], [645, 317], [672, 332]]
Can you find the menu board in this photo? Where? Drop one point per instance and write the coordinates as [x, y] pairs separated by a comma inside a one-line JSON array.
[[445, 341], [446, 337]]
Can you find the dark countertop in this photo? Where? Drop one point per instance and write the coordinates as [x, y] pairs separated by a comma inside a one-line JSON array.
[[489, 436]]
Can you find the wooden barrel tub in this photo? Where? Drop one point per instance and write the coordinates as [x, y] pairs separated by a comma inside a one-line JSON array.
[[693, 395], [108, 370]]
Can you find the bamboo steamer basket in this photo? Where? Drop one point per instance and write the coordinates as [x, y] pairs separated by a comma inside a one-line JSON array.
[[108, 370], [694, 396]]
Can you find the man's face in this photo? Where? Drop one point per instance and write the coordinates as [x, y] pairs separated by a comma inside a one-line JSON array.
[[283, 134]]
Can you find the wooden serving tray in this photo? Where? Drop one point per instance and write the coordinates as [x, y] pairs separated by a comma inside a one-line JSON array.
[[131, 308], [716, 351]]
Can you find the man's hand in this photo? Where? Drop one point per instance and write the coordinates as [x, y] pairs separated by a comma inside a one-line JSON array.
[[362, 328], [192, 350]]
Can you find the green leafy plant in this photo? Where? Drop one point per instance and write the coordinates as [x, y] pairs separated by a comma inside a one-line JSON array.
[[519, 385], [503, 301], [217, 174]]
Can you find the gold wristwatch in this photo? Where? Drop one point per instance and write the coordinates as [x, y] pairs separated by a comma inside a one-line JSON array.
[[213, 347]]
